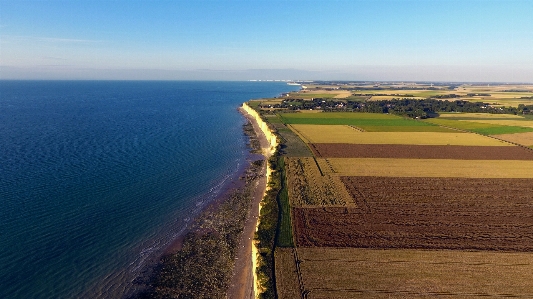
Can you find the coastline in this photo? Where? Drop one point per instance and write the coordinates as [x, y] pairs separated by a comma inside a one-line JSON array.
[[216, 249], [244, 281]]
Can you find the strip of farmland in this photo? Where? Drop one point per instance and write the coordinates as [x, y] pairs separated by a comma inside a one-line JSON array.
[[406, 151], [347, 134], [308, 187], [427, 167], [424, 213], [525, 139], [336, 273]]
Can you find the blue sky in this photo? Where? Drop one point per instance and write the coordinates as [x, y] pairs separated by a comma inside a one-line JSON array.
[[258, 39]]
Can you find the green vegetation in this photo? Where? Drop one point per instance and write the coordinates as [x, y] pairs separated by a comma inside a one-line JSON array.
[[502, 130], [352, 121], [315, 95], [254, 104], [290, 144], [338, 115], [284, 238], [273, 119], [266, 232], [481, 128]]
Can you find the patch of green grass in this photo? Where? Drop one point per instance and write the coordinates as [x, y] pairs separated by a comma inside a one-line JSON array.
[[284, 237], [273, 119], [502, 130], [254, 104], [341, 115], [356, 122], [314, 95], [350, 118], [356, 98]]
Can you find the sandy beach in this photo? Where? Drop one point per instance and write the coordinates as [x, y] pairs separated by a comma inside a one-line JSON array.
[[242, 283]]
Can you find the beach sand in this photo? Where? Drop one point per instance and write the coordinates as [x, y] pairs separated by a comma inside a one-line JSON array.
[[242, 283]]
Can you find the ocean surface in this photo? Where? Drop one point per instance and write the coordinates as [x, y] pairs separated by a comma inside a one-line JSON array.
[[97, 177]]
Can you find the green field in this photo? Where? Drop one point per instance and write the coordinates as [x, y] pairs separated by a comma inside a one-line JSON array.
[[349, 118], [339, 115], [503, 130], [273, 119], [313, 95], [284, 234], [482, 127]]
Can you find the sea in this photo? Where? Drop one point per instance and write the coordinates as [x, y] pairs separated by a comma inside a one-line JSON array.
[[97, 178]]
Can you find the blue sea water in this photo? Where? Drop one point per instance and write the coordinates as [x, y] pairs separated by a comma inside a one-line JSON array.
[[97, 177]]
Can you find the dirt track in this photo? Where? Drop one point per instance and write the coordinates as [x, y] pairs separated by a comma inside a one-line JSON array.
[[340, 150], [429, 213]]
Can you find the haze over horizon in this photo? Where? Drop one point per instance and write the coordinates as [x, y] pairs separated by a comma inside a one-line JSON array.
[[472, 40]]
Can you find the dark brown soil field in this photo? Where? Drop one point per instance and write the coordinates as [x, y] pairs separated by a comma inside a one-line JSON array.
[[425, 213], [340, 150]]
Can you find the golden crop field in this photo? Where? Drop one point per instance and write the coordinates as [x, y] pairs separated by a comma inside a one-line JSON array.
[[428, 168], [308, 187], [508, 102], [287, 283], [347, 134], [503, 122], [525, 139], [405, 273], [480, 115], [312, 133]]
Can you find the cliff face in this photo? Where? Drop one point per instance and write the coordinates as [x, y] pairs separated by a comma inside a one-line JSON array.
[[272, 140]]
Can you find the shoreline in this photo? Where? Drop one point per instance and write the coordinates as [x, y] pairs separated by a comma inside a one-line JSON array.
[[230, 221], [244, 281]]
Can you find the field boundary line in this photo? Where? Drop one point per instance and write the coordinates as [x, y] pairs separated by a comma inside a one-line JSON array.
[[356, 128], [490, 136]]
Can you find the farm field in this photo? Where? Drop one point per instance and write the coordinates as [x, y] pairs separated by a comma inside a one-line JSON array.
[[308, 187], [292, 144], [504, 122], [348, 118], [424, 213], [347, 134], [427, 167], [486, 126], [359, 273], [387, 207], [287, 282], [497, 96], [525, 139], [406, 151], [479, 116], [369, 128]]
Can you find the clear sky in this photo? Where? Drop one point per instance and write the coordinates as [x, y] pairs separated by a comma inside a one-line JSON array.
[[434, 40]]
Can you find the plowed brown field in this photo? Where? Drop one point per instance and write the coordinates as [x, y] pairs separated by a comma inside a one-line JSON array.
[[344, 150], [429, 213]]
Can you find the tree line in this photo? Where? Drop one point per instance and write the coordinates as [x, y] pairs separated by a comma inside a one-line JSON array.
[[402, 106]]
